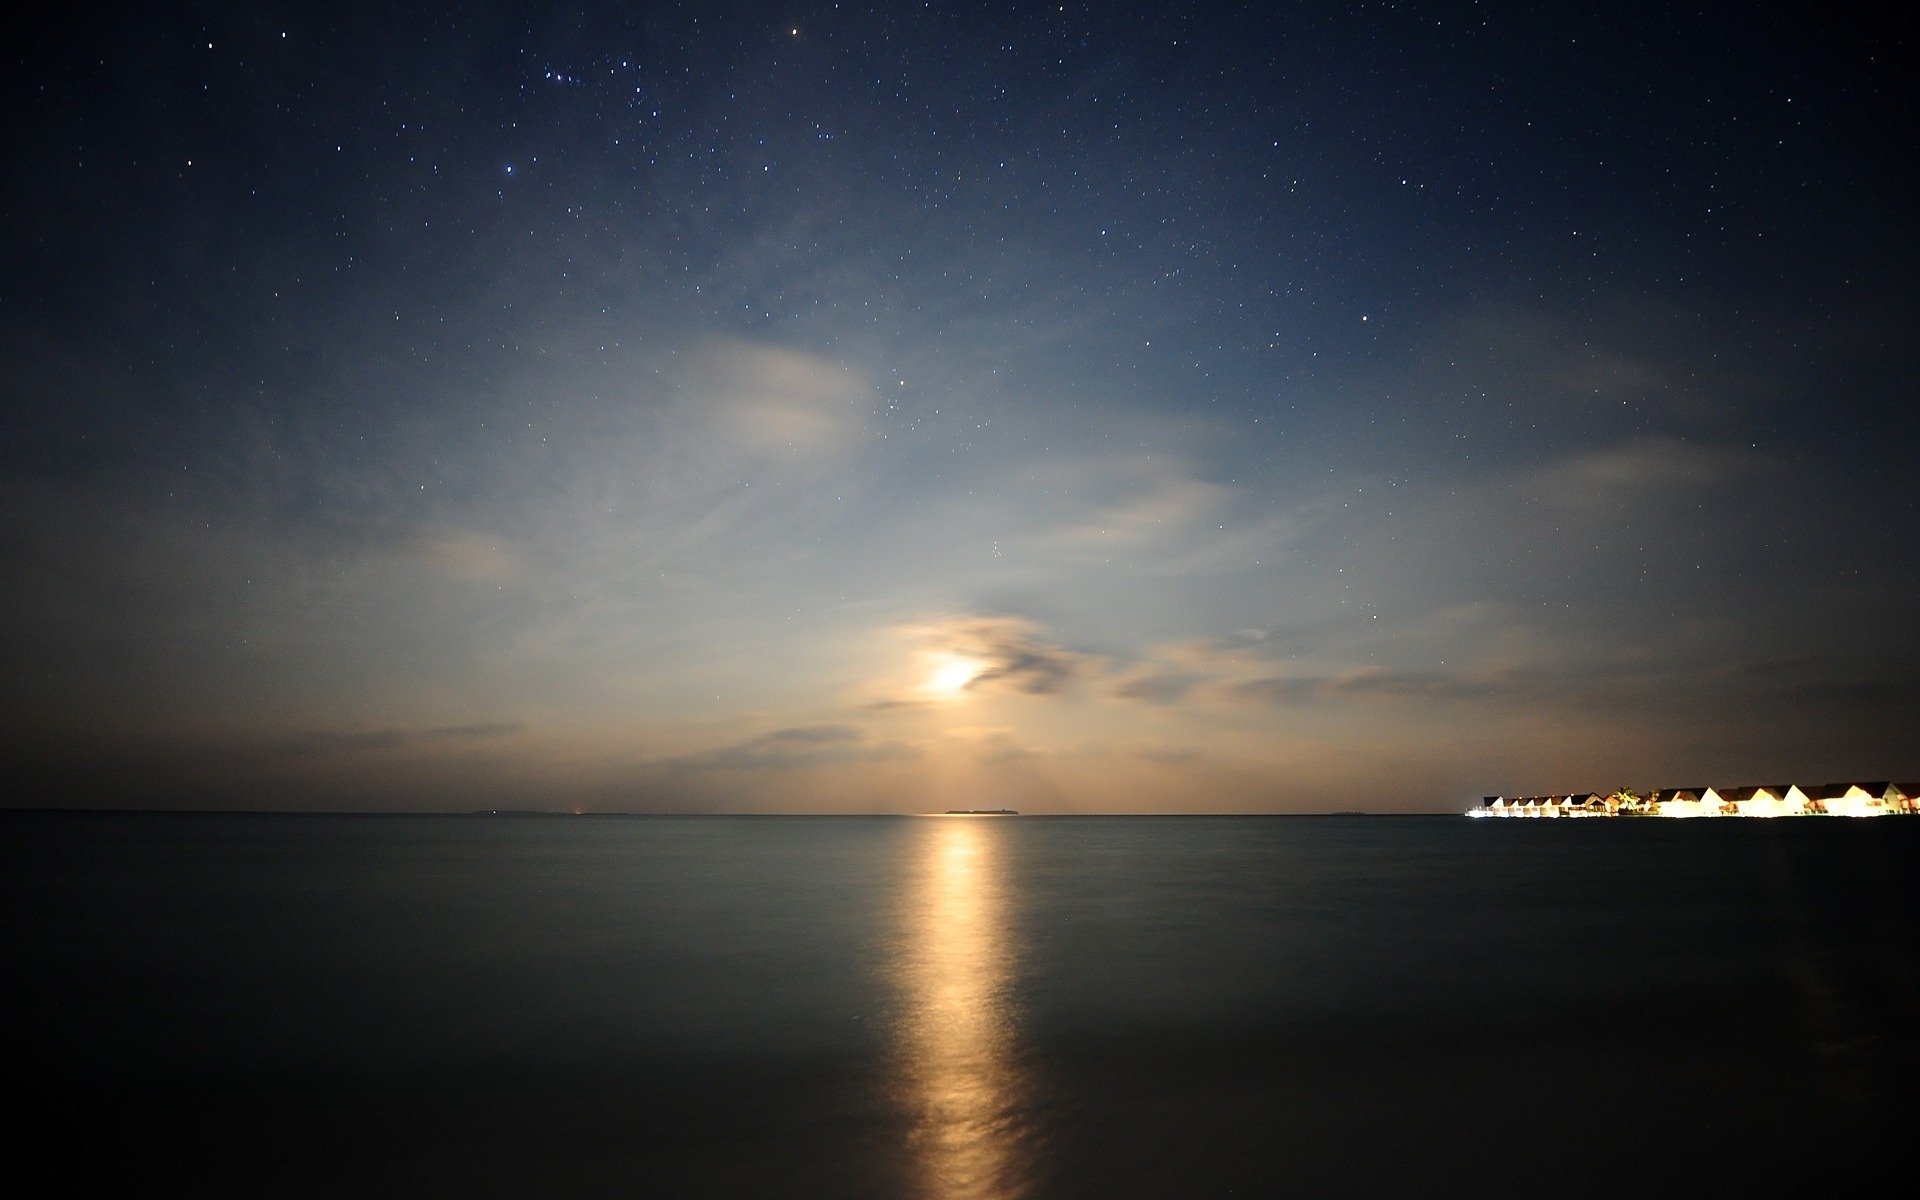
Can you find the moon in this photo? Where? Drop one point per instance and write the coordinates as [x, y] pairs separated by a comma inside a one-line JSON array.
[[952, 674]]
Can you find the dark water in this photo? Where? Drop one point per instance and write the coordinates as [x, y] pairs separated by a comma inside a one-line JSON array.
[[960, 1007]]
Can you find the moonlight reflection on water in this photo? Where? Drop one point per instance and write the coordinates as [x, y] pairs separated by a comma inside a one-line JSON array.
[[956, 1029]]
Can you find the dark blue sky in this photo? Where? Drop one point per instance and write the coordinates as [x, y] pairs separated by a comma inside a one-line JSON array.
[[842, 406]]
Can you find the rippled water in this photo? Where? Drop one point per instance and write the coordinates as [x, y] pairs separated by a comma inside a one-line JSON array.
[[960, 1007]]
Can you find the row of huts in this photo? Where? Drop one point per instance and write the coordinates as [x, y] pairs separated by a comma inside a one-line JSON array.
[[1875, 799]]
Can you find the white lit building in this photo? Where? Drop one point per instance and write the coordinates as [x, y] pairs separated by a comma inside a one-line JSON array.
[[1874, 799]]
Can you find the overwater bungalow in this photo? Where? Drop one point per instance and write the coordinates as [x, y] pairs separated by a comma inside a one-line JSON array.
[[1871, 799], [1875, 799], [1802, 803], [1686, 802], [1758, 801]]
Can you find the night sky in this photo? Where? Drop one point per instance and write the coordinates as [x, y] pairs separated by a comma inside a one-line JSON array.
[[834, 407]]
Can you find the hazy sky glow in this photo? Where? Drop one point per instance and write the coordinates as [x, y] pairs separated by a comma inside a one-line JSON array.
[[847, 408]]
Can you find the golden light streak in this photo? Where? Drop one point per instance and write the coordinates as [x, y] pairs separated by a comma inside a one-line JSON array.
[[956, 1029]]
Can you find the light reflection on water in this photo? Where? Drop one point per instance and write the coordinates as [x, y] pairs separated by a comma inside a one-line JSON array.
[[955, 971]]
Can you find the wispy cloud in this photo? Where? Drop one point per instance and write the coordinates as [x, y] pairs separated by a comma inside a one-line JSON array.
[[1643, 470], [773, 397], [466, 554], [796, 746], [1011, 654], [1154, 687], [1164, 504], [1555, 365], [388, 740]]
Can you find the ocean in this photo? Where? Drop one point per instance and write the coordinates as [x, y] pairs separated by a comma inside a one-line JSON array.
[[948, 1007]]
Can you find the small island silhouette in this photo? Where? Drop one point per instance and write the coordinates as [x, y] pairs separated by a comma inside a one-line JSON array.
[[981, 812]]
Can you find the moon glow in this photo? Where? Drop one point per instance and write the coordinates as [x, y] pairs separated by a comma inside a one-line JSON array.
[[952, 674]]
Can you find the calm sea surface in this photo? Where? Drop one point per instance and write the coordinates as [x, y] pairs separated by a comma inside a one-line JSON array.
[[951, 1007]]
